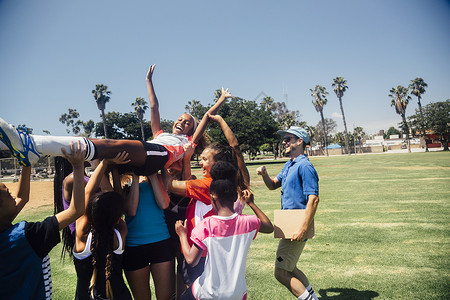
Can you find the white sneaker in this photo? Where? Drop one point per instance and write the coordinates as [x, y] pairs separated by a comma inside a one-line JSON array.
[[20, 143]]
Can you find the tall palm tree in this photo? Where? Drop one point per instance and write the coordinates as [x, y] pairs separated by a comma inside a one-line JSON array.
[[319, 94], [417, 87], [101, 96], [400, 100], [340, 86], [140, 106]]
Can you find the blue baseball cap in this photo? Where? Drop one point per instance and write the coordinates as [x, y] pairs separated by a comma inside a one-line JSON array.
[[297, 131]]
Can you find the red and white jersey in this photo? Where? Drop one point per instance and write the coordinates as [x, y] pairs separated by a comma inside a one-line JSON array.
[[173, 143], [228, 240]]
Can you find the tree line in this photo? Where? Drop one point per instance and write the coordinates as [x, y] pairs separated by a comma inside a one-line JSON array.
[[255, 124]]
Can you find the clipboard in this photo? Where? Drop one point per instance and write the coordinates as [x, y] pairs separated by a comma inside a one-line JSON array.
[[287, 222]]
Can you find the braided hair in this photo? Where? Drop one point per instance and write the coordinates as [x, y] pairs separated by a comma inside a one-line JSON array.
[[103, 212]]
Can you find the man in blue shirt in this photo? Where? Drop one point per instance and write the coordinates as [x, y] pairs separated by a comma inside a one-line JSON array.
[[299, 190]]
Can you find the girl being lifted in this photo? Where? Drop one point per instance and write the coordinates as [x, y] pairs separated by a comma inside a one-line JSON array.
[[146, 157]]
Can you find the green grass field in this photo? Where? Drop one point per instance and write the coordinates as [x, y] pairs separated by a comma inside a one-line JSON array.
[[382, 231]]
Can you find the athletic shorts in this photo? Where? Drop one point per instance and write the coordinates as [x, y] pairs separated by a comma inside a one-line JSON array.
[[288, 254], [142, 256], [157, 157]]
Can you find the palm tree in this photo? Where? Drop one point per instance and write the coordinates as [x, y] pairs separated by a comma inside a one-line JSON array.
[[319, 94], [267, 103], [310, 130], [358, 133], [140, 106], [400, 100], [101, 96], [417, 87], [340, 86]]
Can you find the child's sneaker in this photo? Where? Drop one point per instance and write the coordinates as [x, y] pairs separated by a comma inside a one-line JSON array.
[[20, 143]]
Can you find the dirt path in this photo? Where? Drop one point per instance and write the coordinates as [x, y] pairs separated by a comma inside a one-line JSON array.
[[41, 193]]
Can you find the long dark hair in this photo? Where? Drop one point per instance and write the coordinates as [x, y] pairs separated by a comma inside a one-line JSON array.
[[229, 154], [103, 211], [62, 168]]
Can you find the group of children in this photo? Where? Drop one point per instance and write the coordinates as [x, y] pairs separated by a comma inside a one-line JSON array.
[[212, 242]]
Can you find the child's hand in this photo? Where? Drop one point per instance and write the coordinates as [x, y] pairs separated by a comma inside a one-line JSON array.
[[120, 159], [261, 170], [214, 118], [188, 151], [76, 155], [180, 228], [150, 72], [226, 94], [247, 196]]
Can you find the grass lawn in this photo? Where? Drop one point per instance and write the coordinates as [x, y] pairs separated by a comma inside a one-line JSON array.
[[382, 231]]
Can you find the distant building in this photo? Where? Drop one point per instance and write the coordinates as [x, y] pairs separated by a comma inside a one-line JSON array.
[[394, 142]]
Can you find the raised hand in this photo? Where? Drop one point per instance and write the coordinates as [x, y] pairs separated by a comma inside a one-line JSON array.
[[150, 72], [261, 170], [76, 155], [120, 159], [226, 94], [247, 196], [188, 150]]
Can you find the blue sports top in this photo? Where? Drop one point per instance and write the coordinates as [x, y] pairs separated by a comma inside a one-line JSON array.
[[298, 180], [148, 225], [25, 265]]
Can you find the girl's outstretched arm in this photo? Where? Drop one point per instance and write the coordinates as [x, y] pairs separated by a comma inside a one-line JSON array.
[[177, 187], [23, 194], [155, 120], [99, 173], [212, 111], [76, 208], [81, 226], [266, 225]]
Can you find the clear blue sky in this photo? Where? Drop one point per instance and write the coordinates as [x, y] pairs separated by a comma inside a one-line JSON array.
[[52, 53]]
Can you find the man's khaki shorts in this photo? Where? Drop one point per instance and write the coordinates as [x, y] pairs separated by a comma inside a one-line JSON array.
[[288, 254]]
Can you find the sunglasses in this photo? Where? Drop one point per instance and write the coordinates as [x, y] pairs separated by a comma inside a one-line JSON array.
[[288, 139]]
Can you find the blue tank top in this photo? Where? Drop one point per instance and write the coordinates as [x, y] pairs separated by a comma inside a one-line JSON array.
[[148, 225]]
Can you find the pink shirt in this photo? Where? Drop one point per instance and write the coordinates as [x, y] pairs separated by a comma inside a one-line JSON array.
[[228, 240]]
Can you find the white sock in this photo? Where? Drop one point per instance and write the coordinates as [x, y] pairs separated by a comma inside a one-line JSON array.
[[51, 145], [311, 292], [305, 296]]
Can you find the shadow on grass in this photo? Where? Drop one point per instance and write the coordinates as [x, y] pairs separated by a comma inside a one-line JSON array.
[[341, 294]]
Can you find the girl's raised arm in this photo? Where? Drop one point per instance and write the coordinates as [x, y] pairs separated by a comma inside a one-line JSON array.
[[155, 120], [81, 225], [233, 142], [212, 111], [132, 199]]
